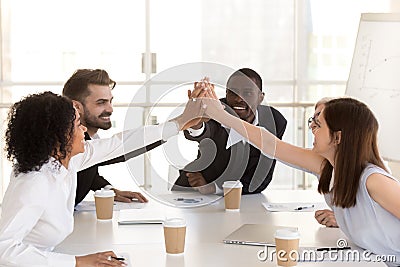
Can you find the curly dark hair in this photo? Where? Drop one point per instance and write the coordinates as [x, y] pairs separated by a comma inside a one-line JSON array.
[[40, 126]]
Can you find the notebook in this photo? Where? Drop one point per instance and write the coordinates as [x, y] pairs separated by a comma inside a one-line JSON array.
[[255, 235], [139, 216]]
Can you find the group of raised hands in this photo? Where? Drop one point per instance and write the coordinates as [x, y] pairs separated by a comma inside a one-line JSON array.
[[203, 103]]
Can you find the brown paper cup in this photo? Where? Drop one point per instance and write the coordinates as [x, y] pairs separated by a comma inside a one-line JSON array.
[[104, 201], [287, 247], [174, 235], [232, 195]]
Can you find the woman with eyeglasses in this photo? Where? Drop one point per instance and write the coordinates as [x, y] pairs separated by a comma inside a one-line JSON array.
[[326, 216], [45, 141], [363, 195]]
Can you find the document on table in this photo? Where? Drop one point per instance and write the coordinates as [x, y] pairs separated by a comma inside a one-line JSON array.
[[294, 206], [184, 199], [90, 206]]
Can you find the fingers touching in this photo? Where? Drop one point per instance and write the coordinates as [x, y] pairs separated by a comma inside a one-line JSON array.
[[203, 89], [202, 98]]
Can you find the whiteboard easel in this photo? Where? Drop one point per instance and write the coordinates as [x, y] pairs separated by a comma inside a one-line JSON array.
[[375, 76]]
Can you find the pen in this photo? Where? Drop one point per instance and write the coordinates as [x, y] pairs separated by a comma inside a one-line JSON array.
[[304, 207], [188, 199], [118, 258], [329, 249]]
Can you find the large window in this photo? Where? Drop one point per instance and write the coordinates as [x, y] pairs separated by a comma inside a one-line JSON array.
[[301, 48]]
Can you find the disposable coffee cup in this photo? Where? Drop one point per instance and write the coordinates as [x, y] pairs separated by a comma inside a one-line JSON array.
[[174, 235], [287, 247], [104, 200], [232, 195]]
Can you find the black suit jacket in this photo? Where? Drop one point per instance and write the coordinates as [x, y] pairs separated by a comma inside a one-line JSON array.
[[240, 161], [90, 179]]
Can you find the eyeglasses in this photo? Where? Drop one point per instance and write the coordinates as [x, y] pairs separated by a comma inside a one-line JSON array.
[[314, 119]]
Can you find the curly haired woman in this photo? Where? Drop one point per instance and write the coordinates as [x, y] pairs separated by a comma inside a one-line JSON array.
[[45, 142]]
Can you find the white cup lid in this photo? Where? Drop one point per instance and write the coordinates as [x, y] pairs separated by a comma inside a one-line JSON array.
[[288, 234], [104, 193], [174, 222], [232, 184]]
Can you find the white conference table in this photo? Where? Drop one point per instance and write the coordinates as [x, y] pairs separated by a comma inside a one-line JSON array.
[[206, 228]]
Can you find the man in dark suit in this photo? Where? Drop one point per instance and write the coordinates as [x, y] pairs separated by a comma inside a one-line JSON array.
[[223, 153], [90, 91]]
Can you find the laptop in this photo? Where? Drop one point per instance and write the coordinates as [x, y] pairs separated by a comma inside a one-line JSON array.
[[255, 235]]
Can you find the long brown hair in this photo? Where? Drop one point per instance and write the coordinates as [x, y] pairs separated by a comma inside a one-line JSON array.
[[357, 148]]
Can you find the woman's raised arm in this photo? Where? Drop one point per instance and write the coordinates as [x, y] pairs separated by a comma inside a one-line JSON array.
[[269, 144]]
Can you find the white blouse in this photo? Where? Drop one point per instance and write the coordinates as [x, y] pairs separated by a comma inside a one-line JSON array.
[[37, 209]]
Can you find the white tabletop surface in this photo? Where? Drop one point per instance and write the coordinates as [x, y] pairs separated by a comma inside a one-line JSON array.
[[207, 226]]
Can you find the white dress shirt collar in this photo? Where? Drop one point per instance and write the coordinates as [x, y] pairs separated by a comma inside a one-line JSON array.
[[234, 137], [95, 136]]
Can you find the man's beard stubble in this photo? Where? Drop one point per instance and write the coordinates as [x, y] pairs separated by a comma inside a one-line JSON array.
[[92, 121]]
